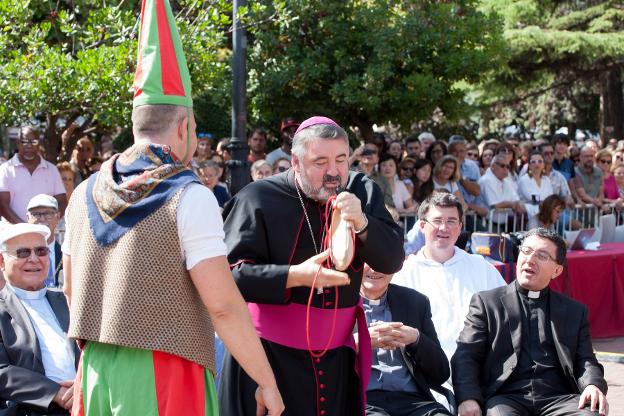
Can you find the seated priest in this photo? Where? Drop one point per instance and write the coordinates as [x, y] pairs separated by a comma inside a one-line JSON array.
[[407, 359], [526, 349], [37, 360]]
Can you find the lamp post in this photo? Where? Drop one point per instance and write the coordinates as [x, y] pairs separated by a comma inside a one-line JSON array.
[[238, 166]]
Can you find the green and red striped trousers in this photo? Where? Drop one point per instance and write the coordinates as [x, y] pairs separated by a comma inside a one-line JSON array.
[[119, 381]]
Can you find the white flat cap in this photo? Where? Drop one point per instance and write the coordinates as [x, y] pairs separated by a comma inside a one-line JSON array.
[[42, 200], [10, 231]]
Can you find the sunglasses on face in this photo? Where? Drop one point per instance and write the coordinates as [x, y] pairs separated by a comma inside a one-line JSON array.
[[472, 154], [282, 168], [26, 252], [605, 161], [407, 168]]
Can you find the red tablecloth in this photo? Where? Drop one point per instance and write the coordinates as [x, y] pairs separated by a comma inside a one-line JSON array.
[[595, 278]]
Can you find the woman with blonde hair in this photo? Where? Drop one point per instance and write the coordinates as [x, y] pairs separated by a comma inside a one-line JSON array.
[[446, 175], [604, 161]]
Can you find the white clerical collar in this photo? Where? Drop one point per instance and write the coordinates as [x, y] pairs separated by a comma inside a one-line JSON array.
[[375, 302], [28, 294], [532, 294]]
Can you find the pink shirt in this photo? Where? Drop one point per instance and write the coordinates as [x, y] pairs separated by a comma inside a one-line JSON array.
[[611, 190], [17, 180]]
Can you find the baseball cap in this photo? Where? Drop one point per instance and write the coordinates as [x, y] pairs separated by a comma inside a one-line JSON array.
[[42, 200], [288, 122], [10, 231]]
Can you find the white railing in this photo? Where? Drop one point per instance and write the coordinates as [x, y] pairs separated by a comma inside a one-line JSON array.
[[505, 220]]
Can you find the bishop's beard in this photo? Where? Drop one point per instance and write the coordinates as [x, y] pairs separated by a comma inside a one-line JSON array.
[[321, 193]]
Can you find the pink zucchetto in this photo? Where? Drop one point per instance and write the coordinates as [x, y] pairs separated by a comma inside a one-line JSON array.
[[313, 121]]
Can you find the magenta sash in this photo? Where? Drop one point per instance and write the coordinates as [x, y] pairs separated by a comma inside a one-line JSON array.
[[286, 325]]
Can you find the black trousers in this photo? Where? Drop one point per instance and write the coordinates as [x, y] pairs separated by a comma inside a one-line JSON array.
[[524, 405], [398, 403]]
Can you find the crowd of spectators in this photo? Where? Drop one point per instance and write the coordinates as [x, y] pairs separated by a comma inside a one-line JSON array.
[[436, 180], [495, 180]]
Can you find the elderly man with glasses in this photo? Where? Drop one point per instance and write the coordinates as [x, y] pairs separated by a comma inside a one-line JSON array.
[[37, 360], [43, 210], [499, 191], [25, 175], [525, 349]]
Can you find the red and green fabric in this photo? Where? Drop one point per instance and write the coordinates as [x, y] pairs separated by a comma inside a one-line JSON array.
[[119, 381], [162, 76]]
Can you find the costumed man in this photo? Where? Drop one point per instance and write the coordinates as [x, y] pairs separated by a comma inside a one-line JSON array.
[[304, 311], [144, 260]]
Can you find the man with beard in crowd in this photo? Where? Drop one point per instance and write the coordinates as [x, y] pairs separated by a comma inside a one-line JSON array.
[[303, 310], [287, 131]]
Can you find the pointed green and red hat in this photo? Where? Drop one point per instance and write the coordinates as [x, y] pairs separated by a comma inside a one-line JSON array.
[[162, 76]]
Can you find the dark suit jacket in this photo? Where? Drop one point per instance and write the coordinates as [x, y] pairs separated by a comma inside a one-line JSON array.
[[489, 345], [425, 359], [24, 388]]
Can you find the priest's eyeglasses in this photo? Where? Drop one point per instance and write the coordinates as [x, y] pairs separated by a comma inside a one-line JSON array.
[[439, 222], [26, 252], [541, 255]]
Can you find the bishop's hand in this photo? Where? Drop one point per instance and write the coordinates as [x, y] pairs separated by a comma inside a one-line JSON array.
[[303, 274], [350, 208]]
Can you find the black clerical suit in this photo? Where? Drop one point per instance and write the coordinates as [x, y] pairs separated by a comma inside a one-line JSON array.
[[24, 387], [525, 352], [425, 360], [266, 231]]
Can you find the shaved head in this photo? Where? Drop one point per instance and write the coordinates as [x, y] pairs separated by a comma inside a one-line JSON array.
[[155, 121]]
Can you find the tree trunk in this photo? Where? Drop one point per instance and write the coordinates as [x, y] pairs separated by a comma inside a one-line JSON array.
[[611, 106], [52, 141], [365, 127]]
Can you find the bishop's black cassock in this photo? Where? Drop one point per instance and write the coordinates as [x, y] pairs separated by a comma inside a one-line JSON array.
[[266, 231]]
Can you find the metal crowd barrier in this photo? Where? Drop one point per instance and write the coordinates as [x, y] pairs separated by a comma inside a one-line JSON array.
[[505, 221]]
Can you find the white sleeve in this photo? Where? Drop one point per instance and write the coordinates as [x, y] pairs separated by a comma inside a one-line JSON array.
[[200, 227], [66, 246], [403, 193], [491, 195], [524, 185], [565, 189]]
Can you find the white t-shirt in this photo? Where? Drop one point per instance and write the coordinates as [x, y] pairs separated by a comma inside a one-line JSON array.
[[400, 194], [450, 186], [200, 226], [449, 287], [527, 187], [495, 191]]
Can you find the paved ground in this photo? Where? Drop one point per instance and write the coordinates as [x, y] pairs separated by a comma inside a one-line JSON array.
[[610, 352]]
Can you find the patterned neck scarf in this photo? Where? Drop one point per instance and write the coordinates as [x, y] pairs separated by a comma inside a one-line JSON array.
[[132, 185]]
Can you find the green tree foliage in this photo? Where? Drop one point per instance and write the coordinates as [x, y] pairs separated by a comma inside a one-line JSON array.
[[68, 58], [366, 61], [564, 62]]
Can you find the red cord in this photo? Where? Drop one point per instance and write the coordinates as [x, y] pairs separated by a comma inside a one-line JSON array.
[[326, 243]]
